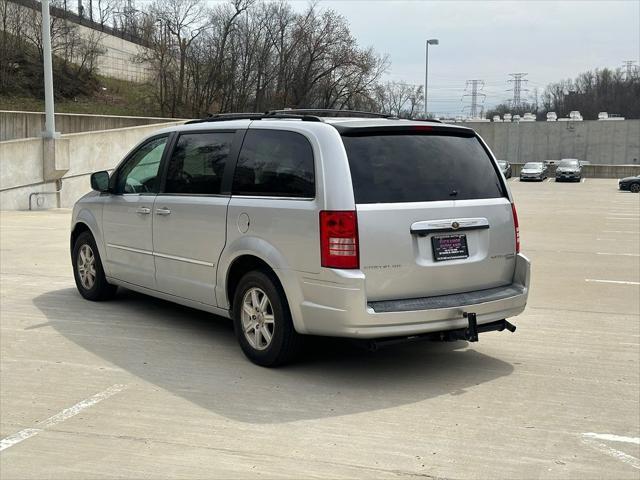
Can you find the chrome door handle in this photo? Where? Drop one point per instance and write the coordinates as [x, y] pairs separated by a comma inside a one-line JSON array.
[[162, 211], [143, 210]]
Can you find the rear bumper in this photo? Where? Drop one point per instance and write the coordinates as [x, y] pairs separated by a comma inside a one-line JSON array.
[[341, 309]]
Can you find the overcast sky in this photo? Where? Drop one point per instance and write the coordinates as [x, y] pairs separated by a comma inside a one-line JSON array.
[[487, 40]]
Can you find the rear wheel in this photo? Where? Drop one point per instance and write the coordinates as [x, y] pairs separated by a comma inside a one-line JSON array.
[[88, 271], [262, 320], [634, 187]]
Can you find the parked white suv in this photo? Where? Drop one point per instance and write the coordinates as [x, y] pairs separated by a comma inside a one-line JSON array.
[[291, 224]]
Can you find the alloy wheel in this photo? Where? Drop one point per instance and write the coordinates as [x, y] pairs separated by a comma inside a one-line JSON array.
[[86, 264], [258, 320]]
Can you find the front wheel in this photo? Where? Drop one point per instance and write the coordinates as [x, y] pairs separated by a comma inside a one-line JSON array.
[[262, 320], [88, 271], [634, 187]]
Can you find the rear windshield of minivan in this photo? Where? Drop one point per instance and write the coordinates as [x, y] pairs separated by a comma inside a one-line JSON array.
[[416, 167]]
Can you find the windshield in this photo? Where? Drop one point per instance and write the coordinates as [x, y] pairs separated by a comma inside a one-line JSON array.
[[533, 165], [569, 163]]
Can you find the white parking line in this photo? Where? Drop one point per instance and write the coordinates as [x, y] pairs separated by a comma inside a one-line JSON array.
[[619, 254], [612, 438], [593, 440], [583, 180], [620, 282], [65, 414], [618, 231]]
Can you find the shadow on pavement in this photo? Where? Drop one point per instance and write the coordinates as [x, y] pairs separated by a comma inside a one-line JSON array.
[[194, 355]]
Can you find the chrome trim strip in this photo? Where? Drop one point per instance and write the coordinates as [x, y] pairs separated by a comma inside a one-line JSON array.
[[129, 249], [162, 255], [268, 197], [431, 226], [183, 259]]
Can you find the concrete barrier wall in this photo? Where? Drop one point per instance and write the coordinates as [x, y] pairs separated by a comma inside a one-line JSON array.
[[598, 142], [22, 166], [22, 171], [16, 124]]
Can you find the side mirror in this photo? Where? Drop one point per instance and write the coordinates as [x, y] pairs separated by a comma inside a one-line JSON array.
[[100, 181]]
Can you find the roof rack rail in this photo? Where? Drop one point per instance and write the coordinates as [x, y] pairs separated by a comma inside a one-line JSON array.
[[331, 112], [221, 117]]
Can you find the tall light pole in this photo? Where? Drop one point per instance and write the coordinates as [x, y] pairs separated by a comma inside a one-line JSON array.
[[431, 41], [50, 122]]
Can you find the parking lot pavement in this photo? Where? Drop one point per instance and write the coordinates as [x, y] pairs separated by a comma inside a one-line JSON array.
[[137, 387]]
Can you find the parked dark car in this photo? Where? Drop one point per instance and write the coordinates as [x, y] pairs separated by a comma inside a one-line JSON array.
[[534, 171], [505, 167], [569, 169], [631, 184]]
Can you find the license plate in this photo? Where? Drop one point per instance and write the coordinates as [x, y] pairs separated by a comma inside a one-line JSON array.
[[449, 247]]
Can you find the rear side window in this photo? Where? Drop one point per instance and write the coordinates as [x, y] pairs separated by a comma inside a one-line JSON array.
[[275, 163], [197, 163], [393, 168]]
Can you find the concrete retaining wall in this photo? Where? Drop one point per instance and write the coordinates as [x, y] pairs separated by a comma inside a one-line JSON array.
[[598, 142], [16, 124], [120, 57], [22, 166]]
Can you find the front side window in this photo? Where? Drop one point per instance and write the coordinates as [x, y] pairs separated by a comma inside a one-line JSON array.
[[197, 163], [275, 163], [140, 172]]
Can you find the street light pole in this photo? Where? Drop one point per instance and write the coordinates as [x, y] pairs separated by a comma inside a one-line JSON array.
[[50, 121], [432, 41]]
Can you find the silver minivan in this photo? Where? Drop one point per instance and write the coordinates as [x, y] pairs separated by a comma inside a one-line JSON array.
[[306, 223]]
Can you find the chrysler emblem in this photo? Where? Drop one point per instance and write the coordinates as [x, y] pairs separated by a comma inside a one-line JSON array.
[[455, 225]]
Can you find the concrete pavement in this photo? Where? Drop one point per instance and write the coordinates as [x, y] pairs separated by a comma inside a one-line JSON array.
[[140, 388]]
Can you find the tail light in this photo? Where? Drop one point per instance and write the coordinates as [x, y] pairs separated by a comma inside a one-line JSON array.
[[339, 239], [516, 226]]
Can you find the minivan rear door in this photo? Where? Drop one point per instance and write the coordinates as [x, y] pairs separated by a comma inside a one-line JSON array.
[[434, 216]]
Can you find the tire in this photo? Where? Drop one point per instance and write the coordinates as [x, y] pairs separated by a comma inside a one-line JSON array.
[[272, 320], [84, 256], [634, 188]]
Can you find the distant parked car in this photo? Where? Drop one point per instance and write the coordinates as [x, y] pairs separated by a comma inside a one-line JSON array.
[[569, 169], [631, 184], [534, 171], [505, 167]]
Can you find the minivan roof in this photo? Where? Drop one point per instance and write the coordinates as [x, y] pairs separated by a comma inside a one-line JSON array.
[[342, 124]]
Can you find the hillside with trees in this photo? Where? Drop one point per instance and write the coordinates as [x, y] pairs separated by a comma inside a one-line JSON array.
[[242, 55]]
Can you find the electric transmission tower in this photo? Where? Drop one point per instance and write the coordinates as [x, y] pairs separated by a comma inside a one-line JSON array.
[[630, 67], [476, 87], [517, 80]]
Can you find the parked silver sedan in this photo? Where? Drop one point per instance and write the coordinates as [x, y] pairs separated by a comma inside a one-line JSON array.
[[534, 171]]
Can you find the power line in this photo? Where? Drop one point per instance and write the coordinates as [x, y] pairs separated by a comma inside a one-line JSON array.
[[474, 95], [517, 80]]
